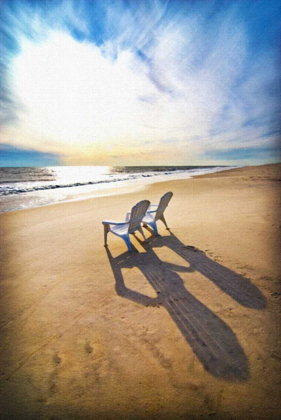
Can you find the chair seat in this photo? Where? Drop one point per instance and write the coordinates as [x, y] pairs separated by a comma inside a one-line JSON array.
[[148, 218], [120, 229]]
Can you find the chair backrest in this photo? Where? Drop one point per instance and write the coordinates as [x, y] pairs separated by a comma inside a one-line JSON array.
[[137, 214], [164, 201]]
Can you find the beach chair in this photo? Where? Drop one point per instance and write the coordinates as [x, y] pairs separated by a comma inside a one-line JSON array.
[[156, 212], [131, 224]]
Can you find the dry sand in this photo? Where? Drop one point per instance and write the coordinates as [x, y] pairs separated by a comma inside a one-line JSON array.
[[186, 326]]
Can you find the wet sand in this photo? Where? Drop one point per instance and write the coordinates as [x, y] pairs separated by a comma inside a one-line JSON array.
[[187, 326]]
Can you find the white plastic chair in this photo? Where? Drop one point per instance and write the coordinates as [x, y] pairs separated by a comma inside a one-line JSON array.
[[156, 212], [131, 224]]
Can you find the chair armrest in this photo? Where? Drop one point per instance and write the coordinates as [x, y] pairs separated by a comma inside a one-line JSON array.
[[150, 208], [107, 222]]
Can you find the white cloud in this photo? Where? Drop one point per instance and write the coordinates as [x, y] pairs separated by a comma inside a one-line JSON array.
[[156, 77]]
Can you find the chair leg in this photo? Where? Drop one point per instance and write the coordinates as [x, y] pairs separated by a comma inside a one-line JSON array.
[[162, 218], [127, 242], [106, 230], [141, 231], [154, 227]]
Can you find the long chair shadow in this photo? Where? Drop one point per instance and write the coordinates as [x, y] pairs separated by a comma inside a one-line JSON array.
[[211, 339], [238, 287]]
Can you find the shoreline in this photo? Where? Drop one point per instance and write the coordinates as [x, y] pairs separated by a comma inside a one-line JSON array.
[[50, 196], [185, 326]]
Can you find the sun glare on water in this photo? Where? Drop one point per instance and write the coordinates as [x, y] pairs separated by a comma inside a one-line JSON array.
[[83, 174]]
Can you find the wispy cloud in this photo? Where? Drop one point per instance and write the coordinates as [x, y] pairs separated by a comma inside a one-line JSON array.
[[195, 82]]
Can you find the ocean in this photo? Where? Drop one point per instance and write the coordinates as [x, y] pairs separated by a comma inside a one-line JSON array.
[[25, 188]]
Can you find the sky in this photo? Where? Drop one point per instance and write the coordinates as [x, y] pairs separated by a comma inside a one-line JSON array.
[[132, 82]]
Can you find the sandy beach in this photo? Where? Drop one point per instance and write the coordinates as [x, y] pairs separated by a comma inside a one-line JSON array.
[[187, 326]]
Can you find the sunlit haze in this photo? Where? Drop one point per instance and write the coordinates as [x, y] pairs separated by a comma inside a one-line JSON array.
[[135, 83]]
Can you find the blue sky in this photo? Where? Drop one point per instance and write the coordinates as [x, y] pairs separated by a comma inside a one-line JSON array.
[[139, 82]]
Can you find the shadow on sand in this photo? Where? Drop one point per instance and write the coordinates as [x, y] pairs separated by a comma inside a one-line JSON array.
[[211, 339]]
